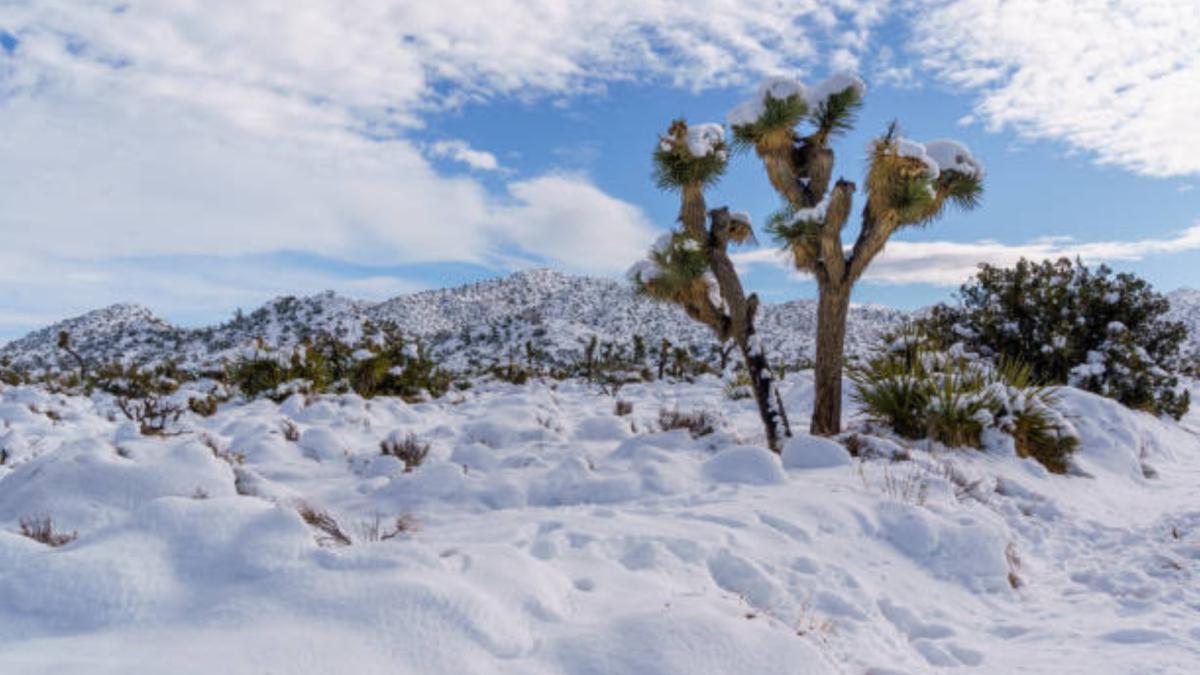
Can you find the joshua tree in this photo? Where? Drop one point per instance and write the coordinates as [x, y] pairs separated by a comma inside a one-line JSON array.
[[64, 343], [907, 184], [691, 266]]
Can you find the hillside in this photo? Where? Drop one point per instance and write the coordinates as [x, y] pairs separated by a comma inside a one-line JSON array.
[[478, 323]]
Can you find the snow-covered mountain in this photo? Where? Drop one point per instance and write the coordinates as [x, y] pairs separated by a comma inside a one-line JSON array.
[[1185, 307], [477, 323]]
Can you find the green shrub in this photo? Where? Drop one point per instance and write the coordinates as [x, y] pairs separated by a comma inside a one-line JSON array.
[[1092, 329], [257, 375]]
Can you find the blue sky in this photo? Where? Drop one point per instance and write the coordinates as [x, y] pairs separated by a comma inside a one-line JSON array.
[[198, 160]]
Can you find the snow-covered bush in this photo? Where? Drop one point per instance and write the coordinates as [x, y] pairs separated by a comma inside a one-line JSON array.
[[1092, 329], [955, 398]]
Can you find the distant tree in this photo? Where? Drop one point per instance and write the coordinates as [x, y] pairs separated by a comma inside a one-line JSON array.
[[691, 267], [64, 343], [907, 184]]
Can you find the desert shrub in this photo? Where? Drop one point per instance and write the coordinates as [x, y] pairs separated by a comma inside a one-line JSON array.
[[374, 530], [291, 432], [9, 375], [1092, 329], [328, 531], [136, 382], [206, 406], [698, 422], [257, 375], [510, 372], [738, 388], [154, 414], [409, 449], [41, 530], [953, 397]]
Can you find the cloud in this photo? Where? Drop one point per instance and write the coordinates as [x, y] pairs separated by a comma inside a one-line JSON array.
[[141, 130], [460, 151], [564, 217], [1118, 79], [950, 263], [187, 289]]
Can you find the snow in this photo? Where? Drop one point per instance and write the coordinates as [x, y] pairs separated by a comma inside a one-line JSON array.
[[813, 452], [782, 88], [548, 535], [558, 313], [756, 466], [705, 139], [834, 84], [909, 148], [940, 156], [951, 155]]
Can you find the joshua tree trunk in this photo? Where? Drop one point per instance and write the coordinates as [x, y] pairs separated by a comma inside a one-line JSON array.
[[832, 309], [766, 395], [741, 312]]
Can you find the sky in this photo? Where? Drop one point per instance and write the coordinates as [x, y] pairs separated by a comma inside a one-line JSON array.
[[200, 157]]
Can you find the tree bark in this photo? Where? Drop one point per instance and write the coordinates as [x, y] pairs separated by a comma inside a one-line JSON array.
[[766, 395], [742, 312], [832, 310]]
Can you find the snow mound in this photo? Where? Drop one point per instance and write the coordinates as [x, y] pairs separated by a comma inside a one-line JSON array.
[[813, 452], [755, 466]]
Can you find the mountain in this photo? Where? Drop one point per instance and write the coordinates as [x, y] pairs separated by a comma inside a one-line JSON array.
[[475, 324], [1185, 307]]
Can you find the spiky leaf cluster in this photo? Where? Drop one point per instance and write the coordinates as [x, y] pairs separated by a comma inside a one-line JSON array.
[[837, 113], [903, 192], [921, 391], [797, 236], [774, 125], [675, 167]]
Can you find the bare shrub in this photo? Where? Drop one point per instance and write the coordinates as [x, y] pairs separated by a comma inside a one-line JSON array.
[[410, 450], [1014, 565], [41, 530], [153, 414], [910, 486], [373, 530], [622, 407], [698, 422], [291, 432], [329, 532], [233, 459]]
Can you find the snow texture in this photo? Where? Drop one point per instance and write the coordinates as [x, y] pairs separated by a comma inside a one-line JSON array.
[[548, 535]]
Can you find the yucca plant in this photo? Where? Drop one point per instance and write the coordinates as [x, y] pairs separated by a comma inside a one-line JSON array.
[[920, 391]]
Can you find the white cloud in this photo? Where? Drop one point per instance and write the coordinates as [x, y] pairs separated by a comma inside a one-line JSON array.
[[564, 217], [226, 129], [1117, 78], [950, 263], [461, 151], [190, 290]]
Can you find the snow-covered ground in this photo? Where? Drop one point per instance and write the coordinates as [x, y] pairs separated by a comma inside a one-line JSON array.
[[546, 534]]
